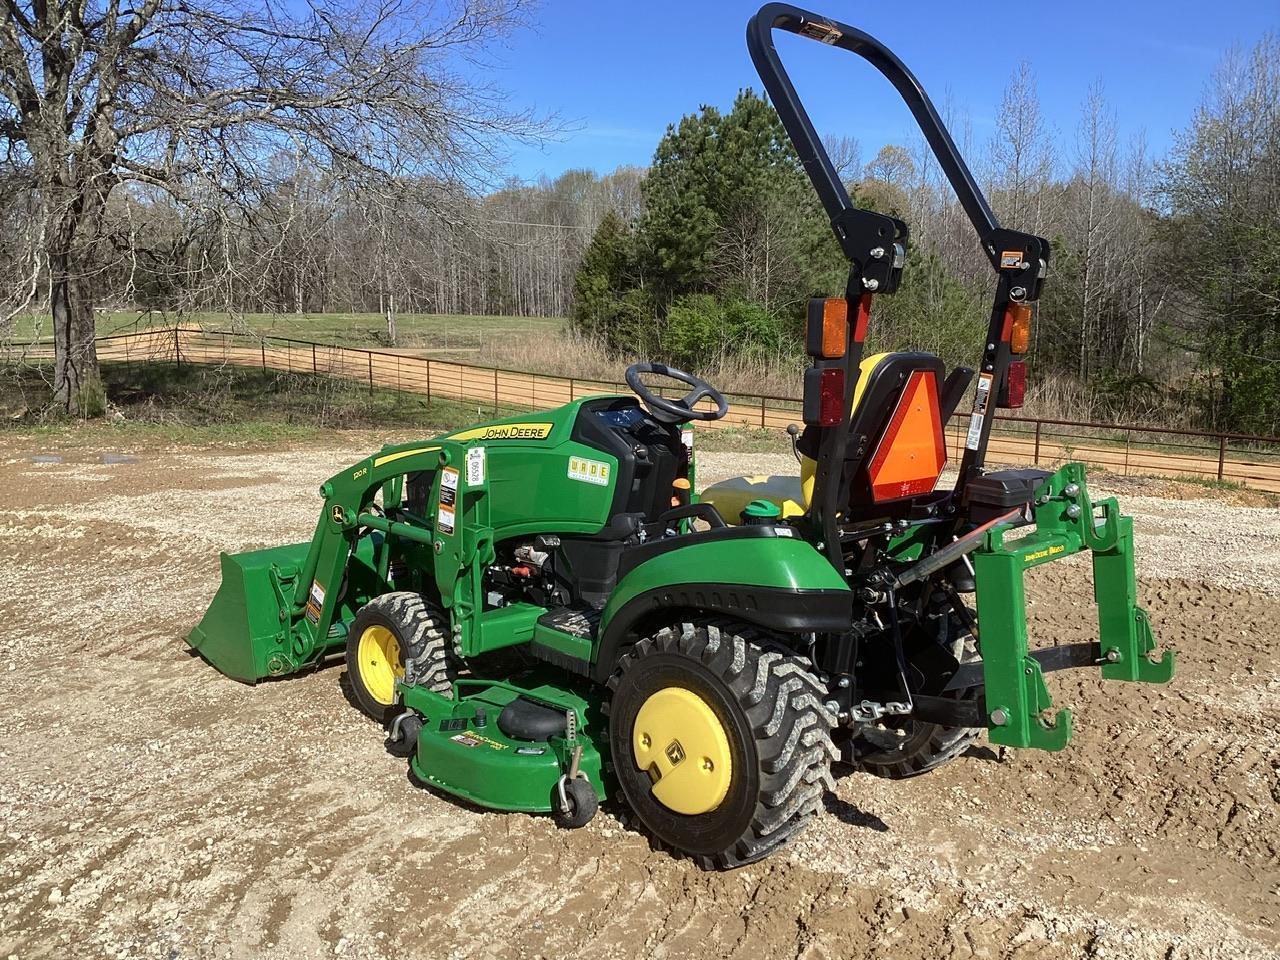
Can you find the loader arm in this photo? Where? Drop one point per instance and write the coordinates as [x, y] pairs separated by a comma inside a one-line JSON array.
[[284, 608]]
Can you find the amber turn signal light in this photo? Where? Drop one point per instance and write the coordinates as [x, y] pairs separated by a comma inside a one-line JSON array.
[[1019, 320], [827, 331]]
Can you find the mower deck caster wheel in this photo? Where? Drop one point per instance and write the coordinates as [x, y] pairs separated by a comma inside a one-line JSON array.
[[576, 803], [403, 738]]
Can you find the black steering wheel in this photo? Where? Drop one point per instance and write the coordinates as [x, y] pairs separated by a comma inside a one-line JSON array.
[[676, 411]]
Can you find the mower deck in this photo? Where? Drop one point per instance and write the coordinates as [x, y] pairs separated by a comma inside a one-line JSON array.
[[463, 748]]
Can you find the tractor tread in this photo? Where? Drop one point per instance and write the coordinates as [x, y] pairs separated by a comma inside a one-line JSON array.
[[421, 628], [782, 700], [927, 745]]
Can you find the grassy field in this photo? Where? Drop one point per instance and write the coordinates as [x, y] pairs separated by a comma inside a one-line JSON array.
[[199, 405], [458, 334], [203, 406]]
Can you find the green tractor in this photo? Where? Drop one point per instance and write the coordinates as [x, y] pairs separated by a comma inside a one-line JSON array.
[[543, 613]]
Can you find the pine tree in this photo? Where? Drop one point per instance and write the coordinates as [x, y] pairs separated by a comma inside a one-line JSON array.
[[603, 276]]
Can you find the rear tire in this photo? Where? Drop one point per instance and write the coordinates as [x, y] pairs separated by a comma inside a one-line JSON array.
[[776, 730], [390, 632], [921, 746]]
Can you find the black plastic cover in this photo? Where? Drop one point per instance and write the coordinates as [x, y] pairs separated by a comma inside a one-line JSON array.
[[1004, 488], [523, 719]]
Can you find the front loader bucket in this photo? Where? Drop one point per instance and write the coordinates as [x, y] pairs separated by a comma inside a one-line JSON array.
[[245, 632]]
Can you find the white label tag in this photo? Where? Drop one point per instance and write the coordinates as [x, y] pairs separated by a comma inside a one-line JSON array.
[[317, 593], [981, 398], [588, 471], [449, 479], [475, 466], [975, 431]]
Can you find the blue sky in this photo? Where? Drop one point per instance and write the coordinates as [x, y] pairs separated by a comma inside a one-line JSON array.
[[621, 71]]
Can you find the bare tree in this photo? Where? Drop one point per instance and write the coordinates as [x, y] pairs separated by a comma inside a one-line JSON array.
[[1020, 156], [846, 156], [1093, 216], [194, 98]]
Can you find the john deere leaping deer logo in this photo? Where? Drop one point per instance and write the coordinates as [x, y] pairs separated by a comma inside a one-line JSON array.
[[674, 752], [339, 516]]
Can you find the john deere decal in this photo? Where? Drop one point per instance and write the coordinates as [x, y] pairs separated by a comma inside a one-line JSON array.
[[506, 431]]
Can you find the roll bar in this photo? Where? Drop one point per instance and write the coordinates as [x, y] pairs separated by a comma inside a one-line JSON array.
[[784, 16], [1020, 260]]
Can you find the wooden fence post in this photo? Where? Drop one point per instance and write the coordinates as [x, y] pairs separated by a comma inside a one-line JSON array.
[[495, 391], [1035, 461], [370, 355], [314, 369], [1222, 454]]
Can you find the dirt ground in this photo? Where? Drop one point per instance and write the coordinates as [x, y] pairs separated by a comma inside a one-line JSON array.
[[151, 808]]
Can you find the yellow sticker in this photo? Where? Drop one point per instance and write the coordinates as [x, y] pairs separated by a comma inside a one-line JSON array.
[[393, 457], [505, 431]]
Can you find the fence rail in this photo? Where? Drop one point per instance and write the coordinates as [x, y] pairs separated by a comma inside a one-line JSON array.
[[1252, 461]]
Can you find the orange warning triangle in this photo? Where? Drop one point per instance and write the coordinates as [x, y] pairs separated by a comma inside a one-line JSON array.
[[912, 451]]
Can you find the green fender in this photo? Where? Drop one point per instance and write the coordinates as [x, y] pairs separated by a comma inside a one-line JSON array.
[[758, 575]]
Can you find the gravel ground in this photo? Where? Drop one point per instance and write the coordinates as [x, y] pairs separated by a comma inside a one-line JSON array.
[[151, 808], [1202, 539]]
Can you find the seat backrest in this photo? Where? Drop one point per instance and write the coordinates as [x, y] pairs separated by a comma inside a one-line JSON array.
[[897, 447]]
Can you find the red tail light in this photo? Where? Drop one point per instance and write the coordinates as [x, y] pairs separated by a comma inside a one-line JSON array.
[[1015, 390], [831, 398]]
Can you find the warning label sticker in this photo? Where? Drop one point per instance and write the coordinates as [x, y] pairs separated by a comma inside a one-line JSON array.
[[822, 32], [444, 520], [315, 602], [980, 402], [448, 487]]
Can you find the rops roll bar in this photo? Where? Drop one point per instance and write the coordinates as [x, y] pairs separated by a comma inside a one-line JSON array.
[[784, 16], [1020, 260]]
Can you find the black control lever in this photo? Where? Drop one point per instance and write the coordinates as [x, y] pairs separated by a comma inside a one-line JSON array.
[[794, 432]]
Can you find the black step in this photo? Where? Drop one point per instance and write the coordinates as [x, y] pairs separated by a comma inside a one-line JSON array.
[[581, 622]]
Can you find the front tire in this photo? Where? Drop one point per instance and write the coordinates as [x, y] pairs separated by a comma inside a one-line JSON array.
[[390, 631], [720, 739]]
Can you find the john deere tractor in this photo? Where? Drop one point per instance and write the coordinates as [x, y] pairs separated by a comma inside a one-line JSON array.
[[543, 613]]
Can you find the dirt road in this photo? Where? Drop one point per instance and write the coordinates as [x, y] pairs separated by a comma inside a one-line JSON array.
[[151, 808], [410, 371]]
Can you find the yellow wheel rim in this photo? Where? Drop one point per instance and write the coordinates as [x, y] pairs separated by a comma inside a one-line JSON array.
[[380, 663], [681, 743]]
